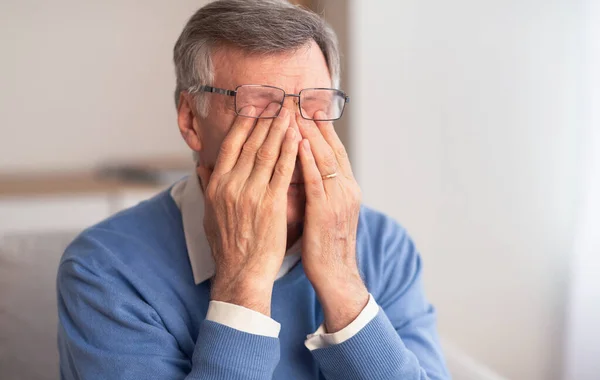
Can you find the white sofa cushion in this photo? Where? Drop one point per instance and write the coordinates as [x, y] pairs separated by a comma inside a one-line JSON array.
[[28, 316]]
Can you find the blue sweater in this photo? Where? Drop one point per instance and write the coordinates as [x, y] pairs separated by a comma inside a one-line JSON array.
[[129, 309]]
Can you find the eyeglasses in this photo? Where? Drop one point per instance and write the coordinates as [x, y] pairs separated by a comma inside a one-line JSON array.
[[268, 101]]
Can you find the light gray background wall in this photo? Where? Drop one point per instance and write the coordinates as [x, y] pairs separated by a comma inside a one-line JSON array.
[[464, 128], [583, 331], [87, 81]]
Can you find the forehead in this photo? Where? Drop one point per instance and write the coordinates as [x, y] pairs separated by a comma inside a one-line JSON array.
[[304, 67]]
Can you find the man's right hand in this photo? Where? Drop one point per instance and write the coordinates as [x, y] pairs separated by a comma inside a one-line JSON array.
[[246, 208]]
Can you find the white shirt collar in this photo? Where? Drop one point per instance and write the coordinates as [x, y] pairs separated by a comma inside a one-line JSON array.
[[188, 196]]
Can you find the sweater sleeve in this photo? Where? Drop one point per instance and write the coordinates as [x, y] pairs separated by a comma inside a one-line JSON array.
[[108, 331], [401, 342]]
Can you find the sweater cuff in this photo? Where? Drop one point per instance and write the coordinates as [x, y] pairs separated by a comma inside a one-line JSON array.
[[375, 352], [320, 339], [242, 318], [226, 353]]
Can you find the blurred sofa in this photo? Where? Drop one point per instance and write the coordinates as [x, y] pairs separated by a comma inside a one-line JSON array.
[[28, 316]]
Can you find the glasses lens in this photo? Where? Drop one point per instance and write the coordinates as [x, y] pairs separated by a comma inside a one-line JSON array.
[[328, 101], [266, 100]]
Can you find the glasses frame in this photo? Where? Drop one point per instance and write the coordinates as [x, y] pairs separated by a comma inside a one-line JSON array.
[[222, 91]]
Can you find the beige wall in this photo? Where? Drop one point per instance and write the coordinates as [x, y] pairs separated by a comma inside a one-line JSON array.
[[464, 128], [87, 81]]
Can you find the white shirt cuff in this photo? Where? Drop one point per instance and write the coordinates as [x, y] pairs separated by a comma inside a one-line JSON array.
[[320, 339], [242, 319]]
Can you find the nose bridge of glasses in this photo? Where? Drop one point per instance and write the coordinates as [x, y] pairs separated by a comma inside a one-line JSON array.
[[290, 101]]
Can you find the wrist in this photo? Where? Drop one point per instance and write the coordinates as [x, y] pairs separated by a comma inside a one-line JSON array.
[[342, 302], [249, 293], [335, 281]]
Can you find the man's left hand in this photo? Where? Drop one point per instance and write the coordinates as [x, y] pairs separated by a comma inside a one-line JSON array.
[[330, 224]]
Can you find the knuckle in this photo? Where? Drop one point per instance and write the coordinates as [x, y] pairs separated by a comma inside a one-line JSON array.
[[314, 182], [210, 194], [227, 148], [330, 161], [249, 148], [282, 169], [249, 200], [212, 191], [265, 154], [341, 152], [229, 191]]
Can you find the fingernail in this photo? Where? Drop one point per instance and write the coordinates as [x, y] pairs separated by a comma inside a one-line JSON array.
[[306, 145], [247, 111]]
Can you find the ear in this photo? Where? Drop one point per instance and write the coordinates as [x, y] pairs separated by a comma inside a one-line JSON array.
[[187, 119]]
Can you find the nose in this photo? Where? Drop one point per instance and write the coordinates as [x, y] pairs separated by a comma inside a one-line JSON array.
[[291, 104]]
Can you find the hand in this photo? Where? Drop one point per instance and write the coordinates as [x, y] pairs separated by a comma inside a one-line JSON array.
[[330, 224], [246, 203]]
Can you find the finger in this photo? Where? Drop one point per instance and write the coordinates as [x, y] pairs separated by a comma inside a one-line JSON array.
[[282, 174], [313, 183], [322, 152], [268, 153], [256, 139], [332, 138], [232, 144]]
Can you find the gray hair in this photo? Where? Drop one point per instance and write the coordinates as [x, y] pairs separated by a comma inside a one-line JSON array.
[[255, 26]]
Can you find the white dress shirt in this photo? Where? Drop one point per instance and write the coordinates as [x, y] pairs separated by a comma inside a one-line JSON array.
[[188, 196]]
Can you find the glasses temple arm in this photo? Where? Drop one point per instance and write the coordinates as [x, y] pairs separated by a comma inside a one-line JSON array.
[[202, 88]]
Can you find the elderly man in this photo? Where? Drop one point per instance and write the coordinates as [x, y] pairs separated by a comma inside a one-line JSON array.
[[263, 264]]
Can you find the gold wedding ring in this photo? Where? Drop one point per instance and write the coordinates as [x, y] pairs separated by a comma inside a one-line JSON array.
[[329, 176]]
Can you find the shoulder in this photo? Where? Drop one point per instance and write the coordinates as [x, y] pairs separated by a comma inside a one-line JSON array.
[[385, 251], [131, 238], [378, 231], [376, 222]]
